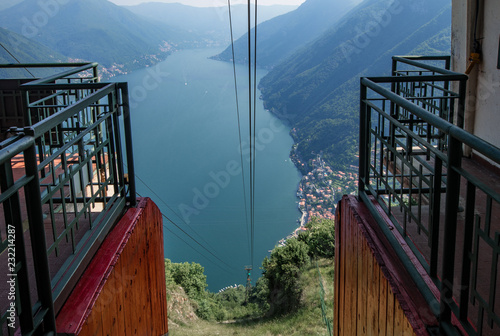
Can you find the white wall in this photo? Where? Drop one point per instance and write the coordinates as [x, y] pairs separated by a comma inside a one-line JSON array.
[[483, 100]]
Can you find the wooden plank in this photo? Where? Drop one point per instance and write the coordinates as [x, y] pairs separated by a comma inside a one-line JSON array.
[[93, 323], [119, 323], [337, 276], [160, 265], [362, 284], [382, 307], [348, 328], [342, 284], [353, 267], [399, 317], [390, 313], [128, 276], [407, 328], [373, 295]]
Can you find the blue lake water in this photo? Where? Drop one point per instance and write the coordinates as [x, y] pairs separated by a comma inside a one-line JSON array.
[[186, 149]]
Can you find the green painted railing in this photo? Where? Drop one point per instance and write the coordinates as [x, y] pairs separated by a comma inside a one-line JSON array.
[[63, 185], [411, 142]]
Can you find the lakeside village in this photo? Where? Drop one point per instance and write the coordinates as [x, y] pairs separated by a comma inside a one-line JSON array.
[[320, 190]]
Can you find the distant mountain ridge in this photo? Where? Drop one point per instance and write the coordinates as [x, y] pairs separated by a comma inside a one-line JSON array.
[[94, 30], [209, 23], [317, 87], [279, 37]]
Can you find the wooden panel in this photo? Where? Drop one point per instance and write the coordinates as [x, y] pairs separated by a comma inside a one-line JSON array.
[[123, 290], [382, 307], [367, 299]]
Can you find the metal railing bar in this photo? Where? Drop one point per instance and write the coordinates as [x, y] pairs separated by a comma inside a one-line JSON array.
[[47, 124], [415, 109], [67, 86], [478, 183], [419, 79], [425, 57], [14, 148], [435, 69], [63, 74], [62, 150], [44, 65], [403, 128], [12, 190], [51, 96]]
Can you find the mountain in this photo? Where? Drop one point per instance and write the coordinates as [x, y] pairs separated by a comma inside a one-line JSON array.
[[18, 48], [282, 35], [317, 88], [209, 23], [94, 30]]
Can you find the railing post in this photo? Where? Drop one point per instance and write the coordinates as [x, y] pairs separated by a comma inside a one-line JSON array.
[[38, 244], [450, 227], [12, 213], [363, 141], [128, 143]]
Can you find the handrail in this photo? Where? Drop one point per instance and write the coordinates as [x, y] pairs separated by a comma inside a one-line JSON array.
[[410, 156], [75, 159], [413, 61], [62, 74]]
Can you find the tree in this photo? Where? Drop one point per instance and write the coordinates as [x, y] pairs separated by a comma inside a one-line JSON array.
[[282, 270], [320, 237], [190, 277]]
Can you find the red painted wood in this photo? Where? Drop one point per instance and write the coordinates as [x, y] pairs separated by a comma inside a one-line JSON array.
[[115, 294]]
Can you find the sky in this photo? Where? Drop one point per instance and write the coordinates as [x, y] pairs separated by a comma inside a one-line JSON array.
[[210, 3]]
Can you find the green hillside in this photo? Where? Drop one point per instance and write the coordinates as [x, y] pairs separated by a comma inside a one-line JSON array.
[[316, 88], [290, 298], [281, 36], [25, 51]]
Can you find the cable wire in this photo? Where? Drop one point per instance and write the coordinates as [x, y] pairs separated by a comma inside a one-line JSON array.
[[14, 57], [161, 200], [251, 133], [192, 238], [239, 123]]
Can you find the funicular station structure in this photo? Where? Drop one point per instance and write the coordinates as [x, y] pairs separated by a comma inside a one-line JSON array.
[[80, 254], [417, 250]]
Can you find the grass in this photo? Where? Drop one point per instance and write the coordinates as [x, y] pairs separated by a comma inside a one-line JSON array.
[[306, 321]]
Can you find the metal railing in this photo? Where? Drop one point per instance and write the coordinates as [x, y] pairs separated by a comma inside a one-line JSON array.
[[13, 109], [411, 163], [64, 183]]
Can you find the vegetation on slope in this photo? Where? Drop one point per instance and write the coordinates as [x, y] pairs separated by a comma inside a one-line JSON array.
[[279, 37], [285, 299], [317, 88], [94, 30]]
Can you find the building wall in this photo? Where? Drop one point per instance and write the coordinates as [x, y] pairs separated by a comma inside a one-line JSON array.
[[373, 295], [123, 290], [483, 100]]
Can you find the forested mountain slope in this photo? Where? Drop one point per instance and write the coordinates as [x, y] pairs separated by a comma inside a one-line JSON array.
[[282, 35], [316, 88], [94, 30]]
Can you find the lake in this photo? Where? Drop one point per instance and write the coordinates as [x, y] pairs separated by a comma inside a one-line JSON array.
[[187, 152]]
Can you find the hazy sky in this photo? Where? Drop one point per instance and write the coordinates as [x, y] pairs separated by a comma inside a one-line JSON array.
[[210, 3]]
